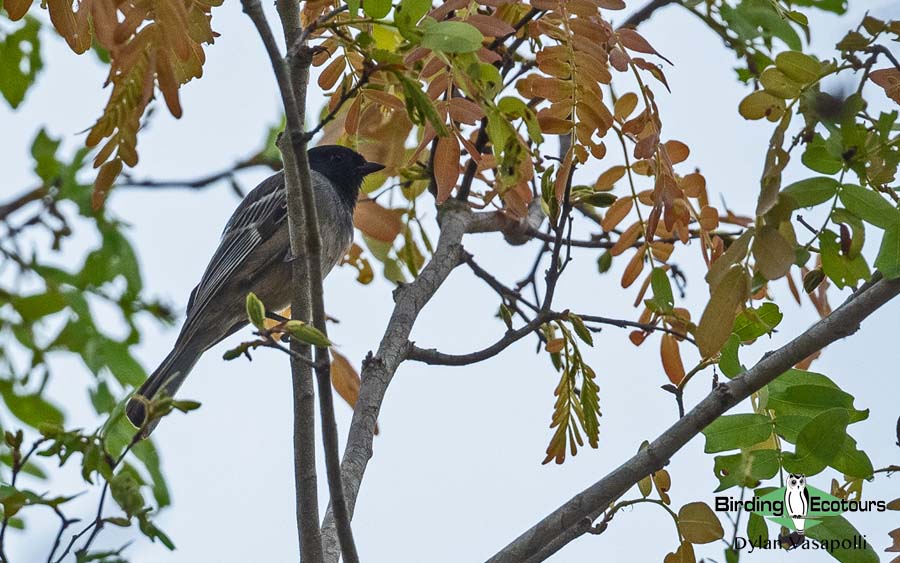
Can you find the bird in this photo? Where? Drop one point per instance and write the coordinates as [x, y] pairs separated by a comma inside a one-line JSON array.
[[254, 256]]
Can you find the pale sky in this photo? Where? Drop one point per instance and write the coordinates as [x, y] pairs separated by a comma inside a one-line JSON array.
[[456, 472]]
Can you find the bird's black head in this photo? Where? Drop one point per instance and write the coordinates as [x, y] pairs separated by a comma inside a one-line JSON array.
[[345, 168]]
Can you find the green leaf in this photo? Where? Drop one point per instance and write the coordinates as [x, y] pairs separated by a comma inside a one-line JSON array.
[[256, 311], [753, 323], [33, 307], [820, 158], [663, 300], [43, 150], [811, 400], [757, 530], [376, 9], [746, 469], [20, 61], [852, 461], [788, 426], [581, 330], [888, 259], [146, 452], [869, 206], [32, 409], [842, 270], [818, 442], [798, 66], [734, 431], [837, 529], [778, 84], [452, 37], [810, 192], [306, 333], [728, 358], [408, 14]]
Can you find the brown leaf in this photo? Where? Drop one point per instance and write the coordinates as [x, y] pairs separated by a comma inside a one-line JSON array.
[[625, 105], [562, 177], [646, 147], [677, 151], [332, 73], [626, 239], [736, 252], [446, 166], [105, 178], [16, 9], [895, 536], [671, 359], [889, 80], [490, 26], [607, 180], [344, 378], [556, 345], [618, 59], [634, 268], [709, 218], [718, 316], [636, 42], [616, 212], [684, 554], [465, 111], [693, 184], [376, 221], [699, 524]]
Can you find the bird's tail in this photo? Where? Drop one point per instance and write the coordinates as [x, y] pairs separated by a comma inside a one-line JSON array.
[[166, 380]]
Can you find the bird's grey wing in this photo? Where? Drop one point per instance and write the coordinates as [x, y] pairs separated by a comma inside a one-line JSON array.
[[257, 217]]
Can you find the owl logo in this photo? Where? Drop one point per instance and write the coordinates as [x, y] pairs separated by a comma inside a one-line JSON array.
[[796, 500]]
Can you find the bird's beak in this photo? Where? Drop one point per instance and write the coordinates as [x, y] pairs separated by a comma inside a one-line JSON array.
[[369, 168]]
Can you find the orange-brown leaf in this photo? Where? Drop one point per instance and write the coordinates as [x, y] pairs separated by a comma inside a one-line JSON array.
[[332, 73], [376, 221], [636, 42], [16, 9], [677, 151], [446, 166], [634, 268], [465, 111], [616, 212], [671, 358], [607, 180], [490, 26], [889, 80]]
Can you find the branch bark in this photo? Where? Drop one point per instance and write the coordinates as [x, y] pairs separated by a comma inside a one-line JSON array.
[[379, 369], [574, 518], [299, 62]]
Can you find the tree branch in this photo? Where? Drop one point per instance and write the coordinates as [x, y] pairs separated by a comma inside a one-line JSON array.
[[646, 12], [297, 180], [378, 369], [574, 518]]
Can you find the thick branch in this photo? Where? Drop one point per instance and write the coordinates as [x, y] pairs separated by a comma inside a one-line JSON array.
[[379, 369], [574, 518], [297, 180]]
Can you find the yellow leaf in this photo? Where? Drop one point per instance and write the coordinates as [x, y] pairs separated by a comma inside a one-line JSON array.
[[718, 317], [625, 105], [774, 254], [761, 104], [699, 524]]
